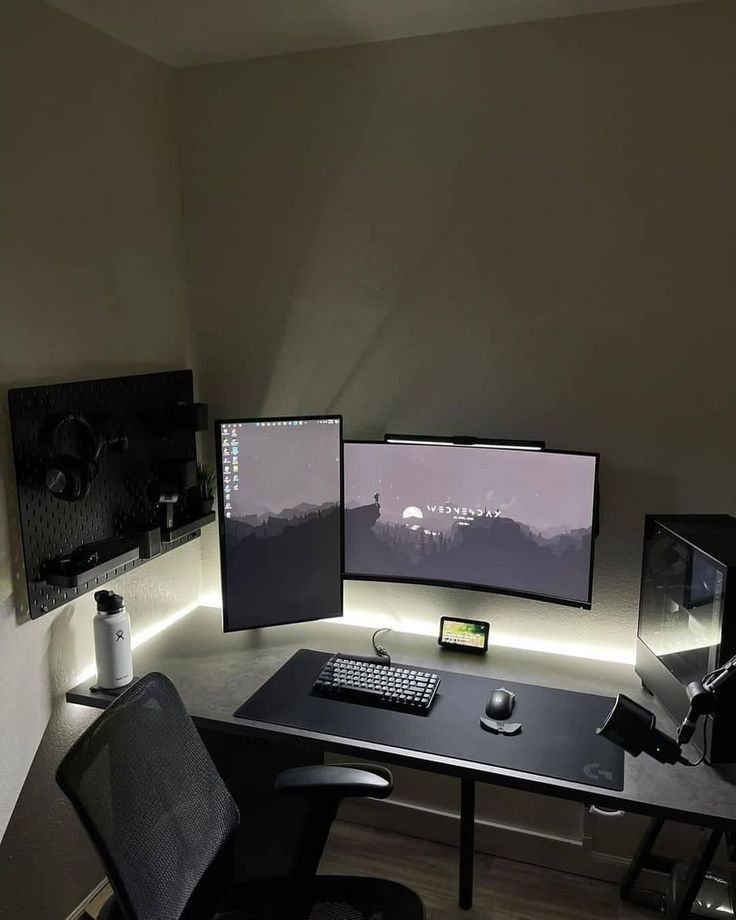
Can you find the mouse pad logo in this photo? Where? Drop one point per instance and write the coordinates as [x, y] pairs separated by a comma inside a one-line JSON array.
[[593, 771]]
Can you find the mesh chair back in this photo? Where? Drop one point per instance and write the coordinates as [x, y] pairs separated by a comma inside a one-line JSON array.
[[151, 799]]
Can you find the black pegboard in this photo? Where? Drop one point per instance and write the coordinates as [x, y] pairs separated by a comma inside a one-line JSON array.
[[148, 409]]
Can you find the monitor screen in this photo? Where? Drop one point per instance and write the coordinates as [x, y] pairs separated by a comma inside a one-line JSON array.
[[513, 521], [281, 546]]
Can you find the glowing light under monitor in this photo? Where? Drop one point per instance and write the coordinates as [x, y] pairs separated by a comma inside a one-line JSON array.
[[500, 639], [497, 639], [369, 619]]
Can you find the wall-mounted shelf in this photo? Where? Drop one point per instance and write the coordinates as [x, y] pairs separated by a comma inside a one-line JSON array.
[[92, 562], [183, 530], [147, 425]]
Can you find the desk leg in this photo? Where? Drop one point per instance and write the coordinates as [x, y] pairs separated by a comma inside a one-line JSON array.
[[688, 888], [467, 842], [641, 857]]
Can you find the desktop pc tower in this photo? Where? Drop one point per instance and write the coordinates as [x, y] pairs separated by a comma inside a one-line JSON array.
[[687, 618]]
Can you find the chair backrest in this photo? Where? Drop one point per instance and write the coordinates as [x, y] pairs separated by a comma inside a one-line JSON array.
[[151, 799]]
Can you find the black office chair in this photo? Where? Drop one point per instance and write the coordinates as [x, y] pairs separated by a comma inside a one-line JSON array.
[[163, 822]]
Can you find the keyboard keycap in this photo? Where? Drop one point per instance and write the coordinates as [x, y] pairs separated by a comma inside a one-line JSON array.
[[377, 684]]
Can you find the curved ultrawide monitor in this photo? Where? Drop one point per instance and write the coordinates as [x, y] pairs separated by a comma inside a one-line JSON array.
[[510, 521], [280, 493]]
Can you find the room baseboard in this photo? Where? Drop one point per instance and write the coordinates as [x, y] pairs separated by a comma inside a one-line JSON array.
[[565, 854]]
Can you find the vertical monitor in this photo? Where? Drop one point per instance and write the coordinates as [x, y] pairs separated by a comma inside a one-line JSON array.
[[280, 504], [510, 521]]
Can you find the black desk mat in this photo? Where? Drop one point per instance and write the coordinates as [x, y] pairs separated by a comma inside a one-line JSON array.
[[557, 739]]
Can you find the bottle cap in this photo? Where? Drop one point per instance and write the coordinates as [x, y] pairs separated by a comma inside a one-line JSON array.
[[109, 601]]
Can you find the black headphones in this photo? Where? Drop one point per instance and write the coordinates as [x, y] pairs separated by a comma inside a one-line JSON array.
[[69, 475]]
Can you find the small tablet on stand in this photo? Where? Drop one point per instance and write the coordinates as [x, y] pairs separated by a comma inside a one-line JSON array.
[[464, 635]]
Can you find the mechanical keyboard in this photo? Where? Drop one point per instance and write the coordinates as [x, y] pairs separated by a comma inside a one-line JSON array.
[[364, 680]]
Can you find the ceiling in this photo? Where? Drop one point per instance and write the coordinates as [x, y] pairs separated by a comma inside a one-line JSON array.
[[186, 32]]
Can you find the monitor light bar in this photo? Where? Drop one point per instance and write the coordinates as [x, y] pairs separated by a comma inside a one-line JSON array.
[[463, 441]]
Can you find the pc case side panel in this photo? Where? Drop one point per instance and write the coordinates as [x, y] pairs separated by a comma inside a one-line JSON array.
[[721, 726], [670, 652], [662, 684]]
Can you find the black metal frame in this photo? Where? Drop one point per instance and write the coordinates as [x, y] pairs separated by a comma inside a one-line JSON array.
[[679, 908], [467, 843]]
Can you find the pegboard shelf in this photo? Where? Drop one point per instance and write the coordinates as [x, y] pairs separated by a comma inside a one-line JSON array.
[[189, 527], [134, 439], [103, 561]]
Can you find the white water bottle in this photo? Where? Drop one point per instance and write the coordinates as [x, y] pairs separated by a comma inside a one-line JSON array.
[[113, 652]]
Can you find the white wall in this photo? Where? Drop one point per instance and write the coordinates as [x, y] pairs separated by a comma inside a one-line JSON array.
[[91, 284], [524, 231]]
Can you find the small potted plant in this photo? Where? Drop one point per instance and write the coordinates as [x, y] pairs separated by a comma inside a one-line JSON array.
[[205, 489]]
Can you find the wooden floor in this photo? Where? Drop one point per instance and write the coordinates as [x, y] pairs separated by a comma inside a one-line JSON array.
[[504, 890]]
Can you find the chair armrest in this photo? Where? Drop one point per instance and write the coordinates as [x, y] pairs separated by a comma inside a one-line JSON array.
[[324, 787], [336, 782]]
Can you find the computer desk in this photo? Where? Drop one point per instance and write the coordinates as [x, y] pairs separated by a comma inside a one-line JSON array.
[[216, 672]]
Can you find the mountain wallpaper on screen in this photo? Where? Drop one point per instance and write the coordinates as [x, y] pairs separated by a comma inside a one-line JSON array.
[[276, 566], [523, 525], [283, 538]]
